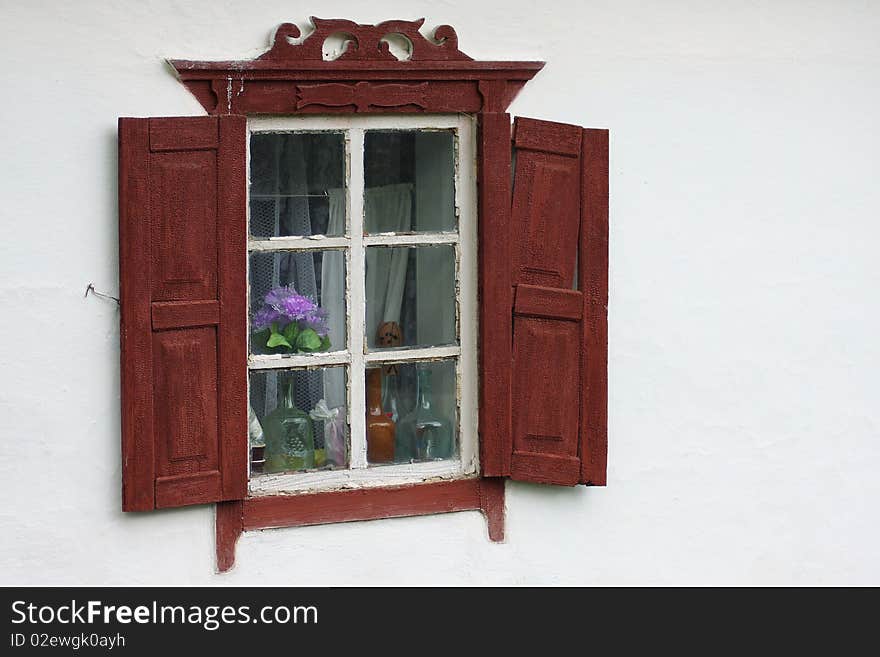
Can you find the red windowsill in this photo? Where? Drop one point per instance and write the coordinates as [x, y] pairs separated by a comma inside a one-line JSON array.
[[485, 494]]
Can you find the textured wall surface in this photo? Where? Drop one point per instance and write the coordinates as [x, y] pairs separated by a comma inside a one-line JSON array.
[[743, 409]]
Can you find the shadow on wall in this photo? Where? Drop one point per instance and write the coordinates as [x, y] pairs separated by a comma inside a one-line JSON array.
[[110, 234]]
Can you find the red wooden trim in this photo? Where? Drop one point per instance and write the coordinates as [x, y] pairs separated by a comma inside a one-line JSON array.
[[136, 346], [546, 204], [593, 280], [492, 505], [288, 95], [438, 77], [227, 527], [546, 468], [184, 314], [365, 41], [184, 391], [182, 134], [548, 302], [257, 69], [187, 489], [232, 284], [495, 294], [547, 383], [362, 95], [547, 136], [476, 494], [361, 504]]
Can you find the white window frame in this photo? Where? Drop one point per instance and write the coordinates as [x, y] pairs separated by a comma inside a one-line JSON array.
[[355, 357]]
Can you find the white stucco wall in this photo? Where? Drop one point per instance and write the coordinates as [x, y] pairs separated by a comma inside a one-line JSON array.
[[744, 413]]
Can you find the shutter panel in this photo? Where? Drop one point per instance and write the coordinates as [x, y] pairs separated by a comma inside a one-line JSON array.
[[559, 276], [495, 294], [182, 269]]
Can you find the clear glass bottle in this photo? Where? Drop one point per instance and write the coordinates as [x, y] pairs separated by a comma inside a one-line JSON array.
[[404, 440], [403, 448], [429, 434], [256, 441], [389, 396], [290, 440]]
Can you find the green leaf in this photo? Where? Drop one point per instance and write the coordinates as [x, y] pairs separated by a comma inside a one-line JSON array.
[[308, 340], [325, 343], [277, 340], [290, 333]]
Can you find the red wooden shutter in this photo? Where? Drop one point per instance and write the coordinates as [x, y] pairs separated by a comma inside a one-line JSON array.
[[559, 264], [182, 264]]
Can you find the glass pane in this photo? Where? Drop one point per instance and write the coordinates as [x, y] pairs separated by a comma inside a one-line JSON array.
[[297, 182], [410, 181], [298, 420], [410, 296], [412, 412], [297, 302]]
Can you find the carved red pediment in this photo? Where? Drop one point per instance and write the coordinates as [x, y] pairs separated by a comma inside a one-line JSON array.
[[293, 77], [366, 42]]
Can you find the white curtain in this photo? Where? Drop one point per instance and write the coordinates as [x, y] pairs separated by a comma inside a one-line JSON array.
[[283, 209], [333, 293], [298, 268], [388, 208]]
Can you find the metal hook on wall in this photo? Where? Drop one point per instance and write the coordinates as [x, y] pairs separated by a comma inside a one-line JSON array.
[[91, 288]]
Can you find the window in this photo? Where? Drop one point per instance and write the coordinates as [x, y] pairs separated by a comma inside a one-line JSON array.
[[373, 219], [335, 242]]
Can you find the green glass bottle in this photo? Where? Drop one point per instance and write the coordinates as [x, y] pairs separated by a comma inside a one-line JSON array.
[[290, 441], [428, 434]]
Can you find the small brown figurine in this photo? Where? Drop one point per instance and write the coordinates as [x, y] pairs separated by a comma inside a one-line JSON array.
[[389, 335]]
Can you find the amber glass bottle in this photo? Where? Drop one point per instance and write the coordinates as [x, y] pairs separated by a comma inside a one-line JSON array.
[[380, 427]]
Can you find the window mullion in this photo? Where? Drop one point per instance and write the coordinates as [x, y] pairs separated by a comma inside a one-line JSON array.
[[356, 291]]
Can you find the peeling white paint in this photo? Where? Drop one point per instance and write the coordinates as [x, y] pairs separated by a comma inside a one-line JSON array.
[[299, 243], [368, 477], [282, 361], [409, 239]]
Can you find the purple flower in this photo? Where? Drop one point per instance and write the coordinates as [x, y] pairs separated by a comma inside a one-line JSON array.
[[284, 305], [297, 307], [277, 295], [317, 321], [265, 317]]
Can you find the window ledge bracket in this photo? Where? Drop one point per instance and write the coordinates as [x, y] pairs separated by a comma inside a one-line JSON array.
[[484, 494]]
